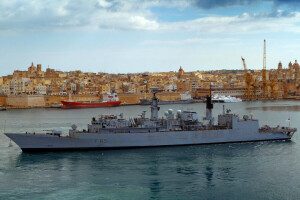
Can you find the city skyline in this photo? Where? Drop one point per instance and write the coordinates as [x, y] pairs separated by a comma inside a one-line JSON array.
[[155, 36]]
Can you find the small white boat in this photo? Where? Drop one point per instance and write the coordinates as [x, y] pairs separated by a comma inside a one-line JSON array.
[[225, 99]]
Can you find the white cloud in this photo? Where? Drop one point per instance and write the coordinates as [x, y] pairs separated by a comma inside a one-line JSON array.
[[49, 15], [190, 41], [104, 3], [241, 24]]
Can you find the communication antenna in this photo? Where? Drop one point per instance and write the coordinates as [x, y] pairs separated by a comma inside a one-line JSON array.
[[265, 61], [210, 89]]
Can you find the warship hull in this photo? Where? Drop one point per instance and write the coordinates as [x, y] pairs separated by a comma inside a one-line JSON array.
[[112, 131], [84, 141]]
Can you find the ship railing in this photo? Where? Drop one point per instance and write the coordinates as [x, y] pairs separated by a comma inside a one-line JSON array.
[[215, 127], [43, 132], [202, 128], [33, 132], [278, 129]]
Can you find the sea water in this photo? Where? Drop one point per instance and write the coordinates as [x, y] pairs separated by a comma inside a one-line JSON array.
[[260, 170]]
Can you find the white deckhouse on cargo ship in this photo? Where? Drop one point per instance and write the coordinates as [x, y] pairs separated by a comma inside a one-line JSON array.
[[182, 128]]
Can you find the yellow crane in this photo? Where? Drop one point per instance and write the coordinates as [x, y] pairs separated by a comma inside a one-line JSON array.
[[264, 73], [255, 86], [248, 80]]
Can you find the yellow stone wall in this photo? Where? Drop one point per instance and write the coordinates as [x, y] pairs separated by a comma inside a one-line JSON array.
[[3, 100], [135, 98], [36, 101], [17, 101], [25, 101]]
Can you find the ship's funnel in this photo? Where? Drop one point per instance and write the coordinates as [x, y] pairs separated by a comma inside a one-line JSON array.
[[154, 105], [209, 104], [209, 107]]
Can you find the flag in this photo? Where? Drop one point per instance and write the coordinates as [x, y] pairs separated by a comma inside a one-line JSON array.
[[288, 120]]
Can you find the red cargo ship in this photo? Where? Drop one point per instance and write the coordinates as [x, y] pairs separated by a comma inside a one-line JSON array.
[[108, 101]]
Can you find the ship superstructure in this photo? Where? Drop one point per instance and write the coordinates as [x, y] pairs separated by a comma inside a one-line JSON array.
[[180, 128]]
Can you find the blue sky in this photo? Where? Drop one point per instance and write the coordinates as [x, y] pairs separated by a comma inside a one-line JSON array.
[[117, 36]]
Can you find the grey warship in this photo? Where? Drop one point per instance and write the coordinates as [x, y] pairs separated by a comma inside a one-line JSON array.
[[174, 129]]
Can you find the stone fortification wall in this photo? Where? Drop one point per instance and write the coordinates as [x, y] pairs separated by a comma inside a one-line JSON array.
[[3, 100], [168, 96], [135, 98], [25, 101], [129, 98], [36, 101], [17, 101]]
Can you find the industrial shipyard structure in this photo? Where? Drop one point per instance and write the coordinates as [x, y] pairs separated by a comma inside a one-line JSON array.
[[274, 84]]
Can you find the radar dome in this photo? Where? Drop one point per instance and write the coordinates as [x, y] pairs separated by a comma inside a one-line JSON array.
[[74, 127]]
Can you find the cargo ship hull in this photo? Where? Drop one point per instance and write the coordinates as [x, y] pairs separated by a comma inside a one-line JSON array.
[[74, 104]]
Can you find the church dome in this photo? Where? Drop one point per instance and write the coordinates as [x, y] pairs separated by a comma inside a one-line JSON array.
[[180, 72], [279, 65], [290, 65], [32, 66], [296, 65]]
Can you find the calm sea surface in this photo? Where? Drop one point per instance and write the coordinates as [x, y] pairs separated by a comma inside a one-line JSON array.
[[263, 170]]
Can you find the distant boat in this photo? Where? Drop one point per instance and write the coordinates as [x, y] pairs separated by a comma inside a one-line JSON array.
[[225, 99], [56, 105], [108, 100], [3, 108]]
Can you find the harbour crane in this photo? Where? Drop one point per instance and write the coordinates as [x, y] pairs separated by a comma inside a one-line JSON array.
[[248, 79], [264, 73], [255, 86]]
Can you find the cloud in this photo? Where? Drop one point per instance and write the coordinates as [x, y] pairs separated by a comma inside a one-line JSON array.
[[51, 15], [246, 23], [190, 41], [209, 4], [287, 2], [64, 14]]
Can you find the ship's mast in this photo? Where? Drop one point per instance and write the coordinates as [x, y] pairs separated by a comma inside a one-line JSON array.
[[209, 108], [154, 105]]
